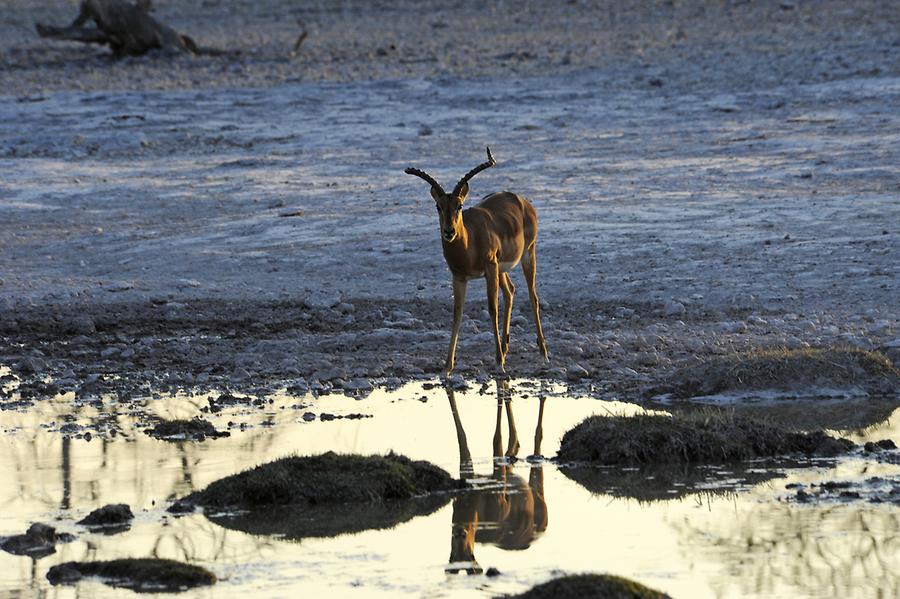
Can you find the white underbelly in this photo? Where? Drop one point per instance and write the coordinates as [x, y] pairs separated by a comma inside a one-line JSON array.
[[508, 266]]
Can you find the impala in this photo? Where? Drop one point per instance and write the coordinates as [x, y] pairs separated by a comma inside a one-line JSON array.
[[487, 240]]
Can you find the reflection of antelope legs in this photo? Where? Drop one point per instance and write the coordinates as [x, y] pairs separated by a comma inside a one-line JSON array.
[[511, 516]]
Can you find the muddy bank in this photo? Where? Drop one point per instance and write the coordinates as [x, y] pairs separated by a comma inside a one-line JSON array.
[[132, 349], [139, 575], [782, 370], [590, 586], [702, 437]]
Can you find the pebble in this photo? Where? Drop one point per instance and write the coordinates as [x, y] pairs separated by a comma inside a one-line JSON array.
[[458, 383], [623, 312], [576, 372], [673, 308]]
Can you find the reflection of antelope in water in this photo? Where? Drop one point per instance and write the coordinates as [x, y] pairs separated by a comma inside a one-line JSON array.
[[510, 517]]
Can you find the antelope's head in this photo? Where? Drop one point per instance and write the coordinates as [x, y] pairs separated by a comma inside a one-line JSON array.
[[449, 205]]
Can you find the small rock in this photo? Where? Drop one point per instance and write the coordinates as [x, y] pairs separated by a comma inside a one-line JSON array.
[[120, 286], [875, 446], [458, 383], [358, 385], [492, 572], [80, 325], [309, 416], [673, 308], [576, 373]]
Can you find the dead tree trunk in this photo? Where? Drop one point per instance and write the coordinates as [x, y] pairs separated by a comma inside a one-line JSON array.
[[128, 29]]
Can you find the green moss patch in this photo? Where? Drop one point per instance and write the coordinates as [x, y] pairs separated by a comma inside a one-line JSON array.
[[591, 586], [141, 575], [701, 437], [786, 370], [324, 479]]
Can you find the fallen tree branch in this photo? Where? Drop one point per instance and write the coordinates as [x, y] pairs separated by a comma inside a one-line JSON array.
[[128, 29]]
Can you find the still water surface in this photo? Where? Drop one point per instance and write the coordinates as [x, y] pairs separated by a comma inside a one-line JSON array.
[[530, 522]]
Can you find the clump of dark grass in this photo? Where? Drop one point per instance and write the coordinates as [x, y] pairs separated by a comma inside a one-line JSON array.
[[112, 516], [196, 429], [141, 575], [701, 437], [591, 586], [323, 479], [785, 369]]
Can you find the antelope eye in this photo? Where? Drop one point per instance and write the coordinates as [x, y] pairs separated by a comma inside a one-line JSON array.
[[458, 208]]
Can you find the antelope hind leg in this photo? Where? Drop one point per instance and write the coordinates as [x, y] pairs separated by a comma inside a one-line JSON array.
[[509, 290]]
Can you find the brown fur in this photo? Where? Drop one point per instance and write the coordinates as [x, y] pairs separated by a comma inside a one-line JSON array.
[[487, 240]]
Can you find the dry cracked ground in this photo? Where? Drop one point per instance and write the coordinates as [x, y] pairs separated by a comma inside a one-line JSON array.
[[709, 176]]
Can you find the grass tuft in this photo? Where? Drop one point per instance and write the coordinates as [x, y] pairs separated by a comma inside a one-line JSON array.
[[700, 437]]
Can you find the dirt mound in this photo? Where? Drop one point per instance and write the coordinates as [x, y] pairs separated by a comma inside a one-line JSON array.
[[322, 479], [703, 437], [785, 369], [590, 586], [140, 575], [180, 430]]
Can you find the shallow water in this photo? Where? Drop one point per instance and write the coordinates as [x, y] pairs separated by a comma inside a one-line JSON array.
[[530, 521]]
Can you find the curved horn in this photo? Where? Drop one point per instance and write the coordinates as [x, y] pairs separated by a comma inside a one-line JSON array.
[[490, 162], [426, 176]]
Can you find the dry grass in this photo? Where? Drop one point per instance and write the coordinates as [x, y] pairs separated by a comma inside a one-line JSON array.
[[701, 437], [786, 369]]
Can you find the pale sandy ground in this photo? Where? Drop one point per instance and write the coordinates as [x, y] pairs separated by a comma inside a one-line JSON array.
[[709, 177]]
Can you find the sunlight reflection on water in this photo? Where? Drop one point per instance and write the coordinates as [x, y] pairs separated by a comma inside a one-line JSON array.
[[530, 522]]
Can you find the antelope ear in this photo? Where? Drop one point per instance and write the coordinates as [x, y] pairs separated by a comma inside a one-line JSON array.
[[436, 193], [463, 193]]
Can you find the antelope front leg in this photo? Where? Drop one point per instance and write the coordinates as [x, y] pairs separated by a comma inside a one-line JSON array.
[[509, 290], [459, 300], [492, 275]]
